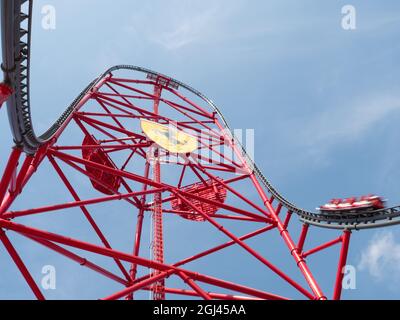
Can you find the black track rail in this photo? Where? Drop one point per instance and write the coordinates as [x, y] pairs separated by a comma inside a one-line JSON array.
[[16, 23]]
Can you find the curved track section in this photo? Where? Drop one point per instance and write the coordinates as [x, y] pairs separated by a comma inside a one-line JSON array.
[[16, 39]]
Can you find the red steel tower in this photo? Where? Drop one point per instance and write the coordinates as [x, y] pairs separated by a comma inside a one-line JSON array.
[[158, 239], [131, 128]]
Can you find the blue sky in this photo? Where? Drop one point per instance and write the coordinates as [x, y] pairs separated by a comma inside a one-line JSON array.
[[324, 103]]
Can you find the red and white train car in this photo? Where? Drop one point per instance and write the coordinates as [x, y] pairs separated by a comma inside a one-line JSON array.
[[353, 205]]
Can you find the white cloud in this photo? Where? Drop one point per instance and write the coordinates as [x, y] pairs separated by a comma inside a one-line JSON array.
[[382, 257], [203, 24], [350, 123], [173, 29], [186, 31], [338, 126], [320, 134], [382, 23]]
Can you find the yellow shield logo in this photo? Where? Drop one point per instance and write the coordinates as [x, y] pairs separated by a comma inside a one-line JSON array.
[[169, 137]]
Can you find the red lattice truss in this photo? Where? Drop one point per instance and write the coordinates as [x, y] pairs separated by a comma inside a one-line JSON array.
[[114, 157]]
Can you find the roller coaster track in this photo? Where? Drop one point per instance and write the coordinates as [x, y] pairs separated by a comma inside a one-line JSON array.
[[16, 45]]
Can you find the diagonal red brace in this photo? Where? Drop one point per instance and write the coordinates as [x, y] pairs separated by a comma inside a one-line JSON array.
[[5, 92]]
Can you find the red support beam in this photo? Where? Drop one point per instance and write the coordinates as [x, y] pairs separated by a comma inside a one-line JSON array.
[[21, 266], [78, 259], [157, 215], [138, 178], [287, 219], [342, 263], [202, 110], [248, 248], [98, 181], [108, 126], [89, 95], [302, 238], [322, 247], [301, 264], [139, 229], [5, 92], [223, 246], [86, 213], [213, 295], [218, 248], [9, 171], [217, 216], [37, 233], [202, 166], [105, 147], [159, 277], [77, 203], [236, 193], [28, 168], [194, 286]]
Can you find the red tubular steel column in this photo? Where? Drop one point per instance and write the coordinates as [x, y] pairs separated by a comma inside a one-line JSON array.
[[342, 262], [37, 233], [86, 213], [154, 279], [139, 228], [194, 286], [82, 102], [222, 246], [281, 227], [9, 171], [322, 247], [21, 266], [291, 245], [5, 92], [213, 295], [21, 175], [158, 241], [302, 239], [28, 168], [247, 247], [74, 257]]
